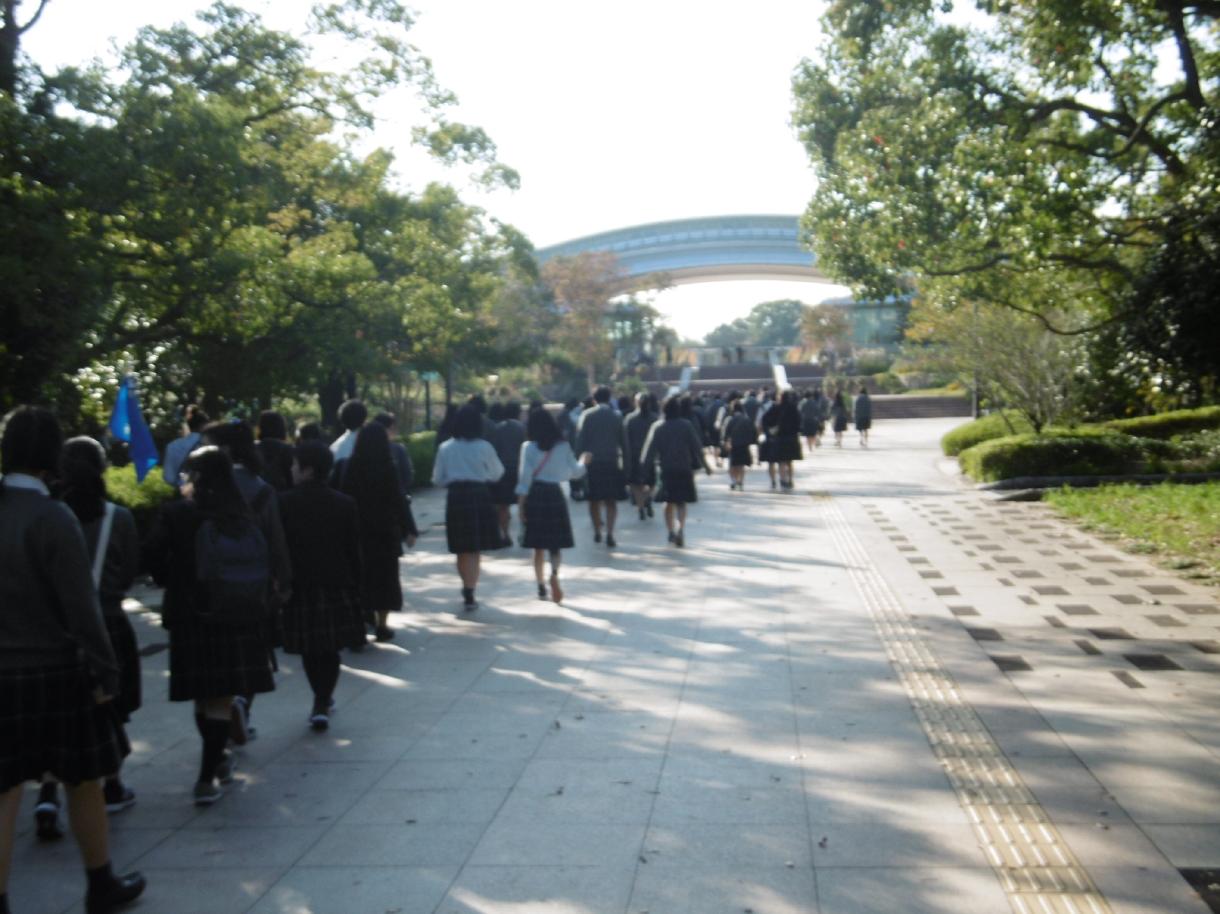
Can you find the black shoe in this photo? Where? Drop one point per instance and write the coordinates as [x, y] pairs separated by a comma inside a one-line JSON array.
[[118, 796], [610, 543], [650, 509], [542, 594], [385, 633], [680, 539], [597, 536], [319, 720], [643, 514], [46, 821], [121, 890], [672, 537]]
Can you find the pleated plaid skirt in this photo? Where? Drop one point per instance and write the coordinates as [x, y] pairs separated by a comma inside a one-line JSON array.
[[50, 722], [127, 651], [212, 661], [470, 519], [547, 523], [322, 619]]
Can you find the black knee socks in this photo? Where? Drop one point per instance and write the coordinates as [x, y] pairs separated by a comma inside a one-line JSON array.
[[215, 736], [322, 671]]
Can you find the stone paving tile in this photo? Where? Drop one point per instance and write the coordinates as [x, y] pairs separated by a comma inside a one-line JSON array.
[[723, 890], [541, 889], [923, 890], [404, 889]]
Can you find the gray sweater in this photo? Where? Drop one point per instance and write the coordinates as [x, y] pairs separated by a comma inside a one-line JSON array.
[[49, 612]]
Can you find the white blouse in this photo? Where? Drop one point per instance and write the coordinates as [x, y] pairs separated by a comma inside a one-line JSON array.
[[561, 466], [462, 460]]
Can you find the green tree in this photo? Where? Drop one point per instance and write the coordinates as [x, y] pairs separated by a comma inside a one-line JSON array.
[[827, 330], [582, 287], [1041, 155], [769, 323]]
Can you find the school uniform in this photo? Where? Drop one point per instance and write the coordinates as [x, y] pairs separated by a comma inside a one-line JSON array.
[[838, 414], [206, 659], [739, 434], [635, 429], [547, 523], [54, 649], [600, 433], [784, 427], [507, 438], [864, 412], [766, 441], [465, 466], [119, 569], [324, 612], [674, 444]]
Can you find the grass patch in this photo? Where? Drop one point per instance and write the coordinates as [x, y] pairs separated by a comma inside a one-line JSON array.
[[1177, 522]]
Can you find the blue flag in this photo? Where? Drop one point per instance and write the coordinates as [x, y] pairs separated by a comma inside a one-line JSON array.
[[127, 424]]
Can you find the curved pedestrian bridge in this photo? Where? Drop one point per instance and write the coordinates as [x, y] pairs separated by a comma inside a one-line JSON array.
[[704, 249]]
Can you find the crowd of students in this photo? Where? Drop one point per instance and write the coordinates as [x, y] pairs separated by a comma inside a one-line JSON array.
[[271, 544]]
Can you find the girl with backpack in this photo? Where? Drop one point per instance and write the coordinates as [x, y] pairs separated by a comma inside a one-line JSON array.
[[212, 557], [57, 668], [546, 461]]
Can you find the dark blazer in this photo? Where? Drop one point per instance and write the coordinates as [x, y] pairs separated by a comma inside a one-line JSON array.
[[277, 462], [323, 536], [169, 556]]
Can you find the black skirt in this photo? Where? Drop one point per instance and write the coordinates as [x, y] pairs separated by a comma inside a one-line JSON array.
[[677, 487], [605, 482], [49, 721], [322, 619], [547, 524], [211, 661], [380, 584], [811, 427], [787, 448], [741, 457], [503, 490], [123, 641], [840, 424], [766, 450], [470, 519]]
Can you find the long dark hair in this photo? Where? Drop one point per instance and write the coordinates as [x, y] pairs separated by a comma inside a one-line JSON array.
[[369, 475], [215, 490], [31, 441], [82, 485], [543, 430]]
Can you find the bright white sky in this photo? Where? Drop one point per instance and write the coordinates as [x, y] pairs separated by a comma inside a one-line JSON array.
[[614, 114]]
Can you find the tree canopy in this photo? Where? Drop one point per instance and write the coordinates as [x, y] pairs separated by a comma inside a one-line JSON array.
[[1048, 156], [769, 323], [201, 215]]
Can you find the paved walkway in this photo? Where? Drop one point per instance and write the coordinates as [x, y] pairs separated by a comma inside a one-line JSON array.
[[882, 693]]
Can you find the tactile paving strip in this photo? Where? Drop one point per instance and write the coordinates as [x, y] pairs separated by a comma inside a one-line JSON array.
[[1035, 866]]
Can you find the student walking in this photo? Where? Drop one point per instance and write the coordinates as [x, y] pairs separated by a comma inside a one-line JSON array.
[[368, 476], [546, 461], [274, 451], [674, 444], [114, 547], [766, 440], [210, 552], [863, 414], [465, 465], [323, 615], [600, 433], [635, 429], [813, 418], [784, 427], [507, 437], [193, 421], [58, 671], [739, 435], [838, 416]]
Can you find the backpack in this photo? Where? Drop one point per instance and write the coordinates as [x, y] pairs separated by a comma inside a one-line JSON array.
[[234, 565]]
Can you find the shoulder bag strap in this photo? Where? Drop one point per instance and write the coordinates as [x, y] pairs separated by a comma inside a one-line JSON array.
[[103, 543]]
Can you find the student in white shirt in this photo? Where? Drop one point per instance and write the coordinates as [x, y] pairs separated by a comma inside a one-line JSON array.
[[176, 452], [546, 461], [465, 464]]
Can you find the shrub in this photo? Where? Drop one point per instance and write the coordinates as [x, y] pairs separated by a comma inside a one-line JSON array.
[[143, 499], [984, 429], [1057, 453], [422, 448], [1166, 425]]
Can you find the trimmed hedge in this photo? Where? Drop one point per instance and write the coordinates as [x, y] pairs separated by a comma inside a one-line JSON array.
[[142, 499], [1056, 453], [1166, 425], [983, 429], [422, 448]]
